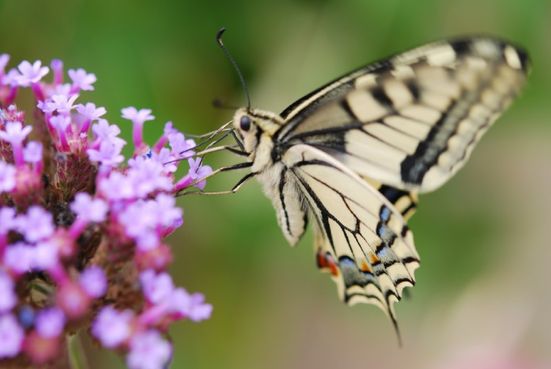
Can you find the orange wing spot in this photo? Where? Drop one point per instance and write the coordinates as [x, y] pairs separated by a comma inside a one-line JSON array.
[[333, 268], [365, 267], [373, 259], [326, 261], [330, 262], [322, 262]]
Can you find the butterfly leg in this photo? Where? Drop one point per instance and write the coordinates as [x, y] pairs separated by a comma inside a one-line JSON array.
[[234, 189], [230, 148], [209, 142], [219, 170], [238, 140]]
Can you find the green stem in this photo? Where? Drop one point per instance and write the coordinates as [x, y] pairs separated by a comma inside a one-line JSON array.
[[77, 357]]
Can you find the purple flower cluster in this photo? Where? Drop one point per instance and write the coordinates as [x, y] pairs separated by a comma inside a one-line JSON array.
[[81, 229]]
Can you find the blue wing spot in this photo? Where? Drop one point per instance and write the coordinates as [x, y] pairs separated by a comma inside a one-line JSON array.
[[382, 253], [352, 275], [385, 233], [384, 214]]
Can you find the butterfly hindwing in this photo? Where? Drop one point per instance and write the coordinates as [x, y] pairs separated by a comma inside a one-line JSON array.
[[361, 239], [411, 121], [404, 201]]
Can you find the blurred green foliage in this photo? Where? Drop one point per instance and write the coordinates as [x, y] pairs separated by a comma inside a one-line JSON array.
[[272, 308]]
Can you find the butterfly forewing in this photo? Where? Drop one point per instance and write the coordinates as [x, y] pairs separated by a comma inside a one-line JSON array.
[[412, 121]]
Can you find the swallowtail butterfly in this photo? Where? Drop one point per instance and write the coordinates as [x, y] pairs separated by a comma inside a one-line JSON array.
[[352, 156]]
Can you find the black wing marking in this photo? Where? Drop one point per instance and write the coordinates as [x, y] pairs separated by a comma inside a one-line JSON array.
[[361, 238], [411, 121]]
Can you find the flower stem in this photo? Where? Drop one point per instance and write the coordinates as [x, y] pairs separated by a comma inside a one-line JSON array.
[[77, 357]]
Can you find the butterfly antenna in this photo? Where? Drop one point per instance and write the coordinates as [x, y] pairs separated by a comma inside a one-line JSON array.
[[234, 63]]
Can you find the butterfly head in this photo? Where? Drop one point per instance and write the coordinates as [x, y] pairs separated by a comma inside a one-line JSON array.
[[252, 124]]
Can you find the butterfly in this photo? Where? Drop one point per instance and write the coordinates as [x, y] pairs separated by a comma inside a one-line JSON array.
[[352, 156]]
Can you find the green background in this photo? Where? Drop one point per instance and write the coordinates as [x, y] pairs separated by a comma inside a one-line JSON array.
[[482, 291]]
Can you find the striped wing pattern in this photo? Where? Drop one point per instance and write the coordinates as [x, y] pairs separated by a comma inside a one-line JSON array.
[[404, 201], [361, 239], [355, 153], [410, 121]]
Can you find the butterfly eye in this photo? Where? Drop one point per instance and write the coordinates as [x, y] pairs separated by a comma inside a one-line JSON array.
[[245, 123]]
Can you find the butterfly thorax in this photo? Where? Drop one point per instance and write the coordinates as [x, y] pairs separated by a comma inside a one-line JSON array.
[[257, 128]]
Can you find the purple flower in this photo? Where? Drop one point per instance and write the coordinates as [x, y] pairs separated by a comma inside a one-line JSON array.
[[63, 89], [63, 104], [15, 133], [192, 306], [147, 240], [7, 177], [165, 158], [7, 218], [4, 59], [19, 257], [57, 68], [45, 256], [154, 216], [108, 154], [32, 153], [88, 114], [117, 187], [106, 132], [50, 322], [81, 79], [148, 350], [159, 291], [94, 282], [89, 209], [72, 299], [169, 129], [11, 336], [39, 233], [198, 171], [157, 288], [139, 225], [36, 225], [11, 114], [147, 175], [137, 116], [167, 211], [181, 147], [112, 327], [60, 123], [9, 298], [11, 78], [31, 73], [91, 112]]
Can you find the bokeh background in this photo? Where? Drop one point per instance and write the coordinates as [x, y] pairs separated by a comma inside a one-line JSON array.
[[483, 298]]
